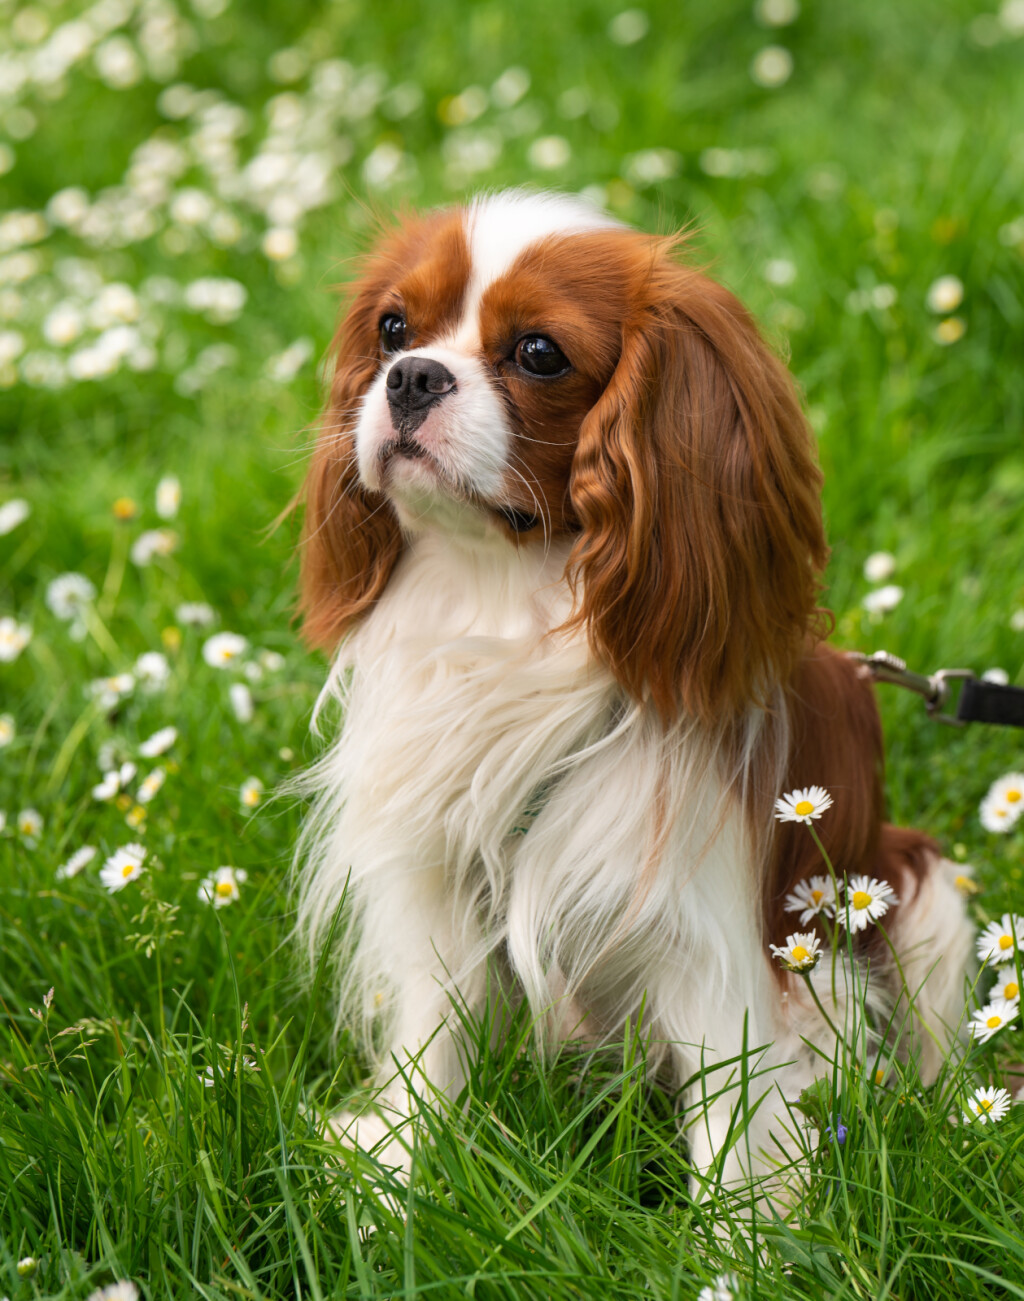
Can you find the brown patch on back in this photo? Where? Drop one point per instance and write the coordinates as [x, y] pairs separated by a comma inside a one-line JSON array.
[[836, 742]]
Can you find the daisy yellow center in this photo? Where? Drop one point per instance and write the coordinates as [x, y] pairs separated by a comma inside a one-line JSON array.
[[879, 1076], [1013, 797], [817, 895], [1010, 989], [224, 888], [227, 654], [861, 898], [1006, 942], [984, 1104], [800, 954], [128, 869], [994, 1022], [803, 808], [252, 797], [1000, 813]]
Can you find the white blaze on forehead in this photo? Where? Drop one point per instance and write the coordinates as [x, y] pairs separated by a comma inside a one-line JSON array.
[[501, 227]]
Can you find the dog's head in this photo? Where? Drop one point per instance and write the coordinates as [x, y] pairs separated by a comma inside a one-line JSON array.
[[526, 368]]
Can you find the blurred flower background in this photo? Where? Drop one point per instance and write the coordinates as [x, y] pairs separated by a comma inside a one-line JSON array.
[[185, 185]]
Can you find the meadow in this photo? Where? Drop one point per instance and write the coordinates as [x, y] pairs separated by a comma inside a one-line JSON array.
[[184, 189]]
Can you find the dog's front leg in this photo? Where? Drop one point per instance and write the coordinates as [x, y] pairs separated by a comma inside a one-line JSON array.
[[420, 968], [735, 1121]]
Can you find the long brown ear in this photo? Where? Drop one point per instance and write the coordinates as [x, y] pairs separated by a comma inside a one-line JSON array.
[[698, 492], [350, 538]]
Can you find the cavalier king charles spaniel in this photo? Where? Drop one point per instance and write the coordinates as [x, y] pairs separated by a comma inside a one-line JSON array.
[[563, 539]]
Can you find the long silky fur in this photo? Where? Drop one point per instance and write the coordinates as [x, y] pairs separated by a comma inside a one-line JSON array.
[[459, 647]]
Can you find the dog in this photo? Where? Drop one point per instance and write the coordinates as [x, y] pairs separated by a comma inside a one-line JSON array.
[[563, 540]]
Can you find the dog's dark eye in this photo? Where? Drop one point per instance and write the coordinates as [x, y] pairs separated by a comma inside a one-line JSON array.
[[392, 332], [539, 356]]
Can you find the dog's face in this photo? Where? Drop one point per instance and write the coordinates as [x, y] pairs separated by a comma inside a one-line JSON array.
[[494, 342], [526, 368]]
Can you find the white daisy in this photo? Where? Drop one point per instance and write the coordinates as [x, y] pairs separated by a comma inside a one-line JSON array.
[[149, 786], [7, 729], [809, 898], [883, 599], [122, 1290], [945, 294], [724, 1288], [280, 243], [998, 940], [69, 595], [13, 513], [987, 1105], [997, 816], [241, 700], [272, 661], [123, 865], [3, 819], [30, 824], [879, 566], [250, 792], [195, 614], [79, 859], [154, 542], [27, 1266], [107, 788], [803, 805], [152, 671], [801, 952], [1009, 790], [107, 692], [1006, 986], [14, 637], [866, 900], [992, 1018], [223, 649], [158, 743], [772, 67], [168, 497], [221, 887]]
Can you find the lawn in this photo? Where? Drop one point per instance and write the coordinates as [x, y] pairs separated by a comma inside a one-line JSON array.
[[184, 189]]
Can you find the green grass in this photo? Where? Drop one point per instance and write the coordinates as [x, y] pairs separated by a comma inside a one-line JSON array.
[[893, 155]]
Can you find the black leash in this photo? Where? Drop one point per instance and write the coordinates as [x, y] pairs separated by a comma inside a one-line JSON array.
[[980, 701]]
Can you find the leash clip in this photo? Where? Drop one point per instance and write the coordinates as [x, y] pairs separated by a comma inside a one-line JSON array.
[[882, 666]]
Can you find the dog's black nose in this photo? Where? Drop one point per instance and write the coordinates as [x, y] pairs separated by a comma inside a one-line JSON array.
[[414, 385]]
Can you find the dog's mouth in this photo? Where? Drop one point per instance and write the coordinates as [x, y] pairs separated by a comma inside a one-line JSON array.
[[402, 446]]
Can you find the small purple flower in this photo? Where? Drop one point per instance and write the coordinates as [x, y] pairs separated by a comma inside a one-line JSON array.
[[839, 1133]]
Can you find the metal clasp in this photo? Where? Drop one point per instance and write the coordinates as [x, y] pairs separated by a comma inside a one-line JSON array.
[[934, 689]]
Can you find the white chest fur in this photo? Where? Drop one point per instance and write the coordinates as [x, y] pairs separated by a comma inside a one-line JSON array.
[[460, 705]]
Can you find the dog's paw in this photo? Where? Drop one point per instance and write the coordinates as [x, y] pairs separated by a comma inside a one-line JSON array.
[[374, 1133]]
